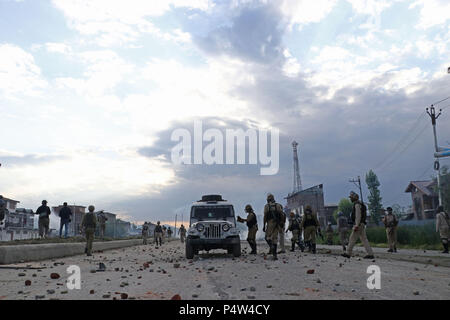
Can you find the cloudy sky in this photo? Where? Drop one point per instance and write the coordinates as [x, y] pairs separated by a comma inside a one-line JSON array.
[[91, 90]]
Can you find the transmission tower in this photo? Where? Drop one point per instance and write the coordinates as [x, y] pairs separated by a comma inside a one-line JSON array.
[[297, 180]]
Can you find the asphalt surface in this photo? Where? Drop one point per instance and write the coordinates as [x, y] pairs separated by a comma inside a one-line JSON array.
[[146, 272]]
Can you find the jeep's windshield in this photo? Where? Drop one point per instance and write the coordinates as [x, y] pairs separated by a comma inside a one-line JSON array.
[[212, 213]]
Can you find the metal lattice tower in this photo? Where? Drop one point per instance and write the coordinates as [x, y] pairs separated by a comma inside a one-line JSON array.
[[297, 180]]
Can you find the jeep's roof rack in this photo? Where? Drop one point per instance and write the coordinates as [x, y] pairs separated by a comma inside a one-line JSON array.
[[211, 198]]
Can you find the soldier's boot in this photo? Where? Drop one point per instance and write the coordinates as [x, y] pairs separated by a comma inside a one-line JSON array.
[[270, 247], [302, 246], [313, 248], [390, 250], [274, 252], [293, 247], [445, 244], [308, 244], [344, 248], [254, 251]]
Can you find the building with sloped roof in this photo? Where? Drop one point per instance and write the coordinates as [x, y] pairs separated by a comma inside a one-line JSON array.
[[424, 197]]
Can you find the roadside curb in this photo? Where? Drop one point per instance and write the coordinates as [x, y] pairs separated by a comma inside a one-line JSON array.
[[36, 252], [429, 260]]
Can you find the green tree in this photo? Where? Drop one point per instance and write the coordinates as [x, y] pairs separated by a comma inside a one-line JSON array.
[[345, 206], [375, 206]]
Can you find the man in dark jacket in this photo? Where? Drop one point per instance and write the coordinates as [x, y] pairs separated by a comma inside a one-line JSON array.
[[44, 219], [65, 214]]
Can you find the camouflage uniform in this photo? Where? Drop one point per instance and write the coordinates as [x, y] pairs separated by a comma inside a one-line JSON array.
[[102, 223], [342, 228], [145, 233], [310, 225], [272, 211], [158, 234], [329, 231], [281, 232], [252, 226], [443, 227], [391, 222], [294, 227], [89, 223], [182, 233]]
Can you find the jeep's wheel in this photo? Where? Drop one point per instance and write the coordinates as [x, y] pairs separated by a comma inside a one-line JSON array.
[[189, 251], [237, 250]]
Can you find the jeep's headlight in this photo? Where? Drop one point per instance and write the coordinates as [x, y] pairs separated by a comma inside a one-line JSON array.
[[226, 227], [200, 227]]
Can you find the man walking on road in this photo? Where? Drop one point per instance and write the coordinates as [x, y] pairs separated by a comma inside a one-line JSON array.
[[44, 219], [390, 223], [443, 227], [272, 218], [342, 227], [65, 214], [158, 233], [294, 227], [252, 226], [359, 227], [145, 232], [311, 226], [101, 218]]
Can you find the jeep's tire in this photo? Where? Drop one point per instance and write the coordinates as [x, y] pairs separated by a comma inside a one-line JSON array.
[[189, 251], [237, 250]]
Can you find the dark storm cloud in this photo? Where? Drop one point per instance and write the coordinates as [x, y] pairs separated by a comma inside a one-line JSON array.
[[29, 159], [254, 33]]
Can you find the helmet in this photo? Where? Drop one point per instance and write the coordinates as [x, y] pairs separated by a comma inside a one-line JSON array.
[[340, 214], [308, 208], [65, 204], [270, 198], [158, 222], [389, 209], [91, 208], [44, 202], [292, 214], [248, 208]]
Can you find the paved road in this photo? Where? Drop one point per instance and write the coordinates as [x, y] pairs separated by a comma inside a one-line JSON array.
[[146, 272]]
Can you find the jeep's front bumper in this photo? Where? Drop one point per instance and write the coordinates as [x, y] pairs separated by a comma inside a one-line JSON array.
[[206, 244]]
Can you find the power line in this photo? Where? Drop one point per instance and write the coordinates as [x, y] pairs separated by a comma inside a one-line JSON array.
[[440, 101], [404, 149], [401, 141]]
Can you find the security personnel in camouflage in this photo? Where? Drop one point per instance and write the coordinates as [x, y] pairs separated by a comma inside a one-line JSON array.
[[390, 223], [342, 228], [252, 225], [294, 227], [329, 232], [443, 227], [44, 219], [310, 225], [182, 233], [359, 227], [281, 232], [88, 224], [145, 233], [272, 217]]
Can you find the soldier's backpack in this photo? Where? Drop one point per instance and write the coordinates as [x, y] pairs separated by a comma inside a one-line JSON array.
[[274, 214], [90, 220]]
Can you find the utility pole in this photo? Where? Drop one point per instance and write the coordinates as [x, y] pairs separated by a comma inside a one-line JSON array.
[[432, 113], [357, 183], [175, 233]]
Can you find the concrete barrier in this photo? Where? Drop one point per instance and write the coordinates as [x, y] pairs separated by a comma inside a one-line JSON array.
[[35, 252]]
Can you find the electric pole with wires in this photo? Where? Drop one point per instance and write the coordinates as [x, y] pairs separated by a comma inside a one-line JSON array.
[[357, 183], [440, 152]]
